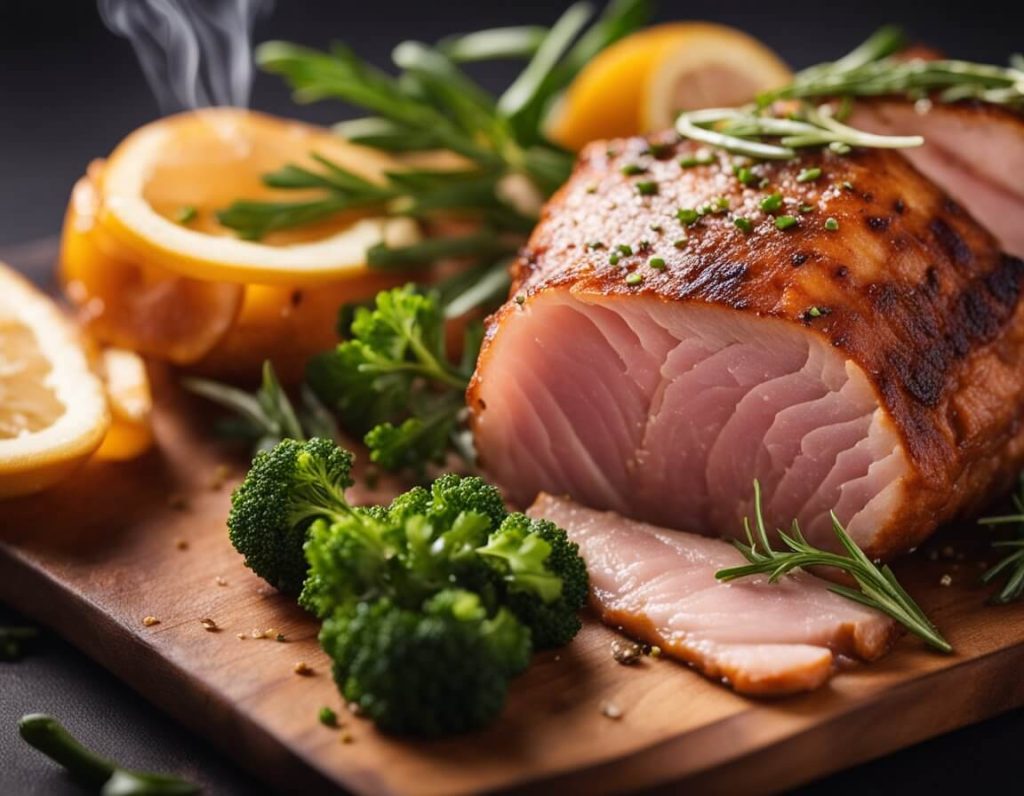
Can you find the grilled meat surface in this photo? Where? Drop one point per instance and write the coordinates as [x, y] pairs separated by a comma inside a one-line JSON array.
[[864, 355]]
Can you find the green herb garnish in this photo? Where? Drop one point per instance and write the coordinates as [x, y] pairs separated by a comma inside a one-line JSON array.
[[877, 587], [1011, 566]]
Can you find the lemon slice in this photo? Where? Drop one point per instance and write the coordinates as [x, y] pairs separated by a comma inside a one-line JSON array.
[[163, 184], [639, 84], [131, 405], [53, 413]]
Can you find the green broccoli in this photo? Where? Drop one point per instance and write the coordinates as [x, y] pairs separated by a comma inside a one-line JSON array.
[[547, 582], [441, 668], [286, 489]]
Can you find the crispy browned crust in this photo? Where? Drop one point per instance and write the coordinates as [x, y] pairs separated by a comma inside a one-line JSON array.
[[909, 287]]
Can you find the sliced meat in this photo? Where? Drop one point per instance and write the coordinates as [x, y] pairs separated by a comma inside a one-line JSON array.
[[973, 150], [761, 638], [876, 369]]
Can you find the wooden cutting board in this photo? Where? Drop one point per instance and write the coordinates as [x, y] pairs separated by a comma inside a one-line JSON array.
[[120, 542]]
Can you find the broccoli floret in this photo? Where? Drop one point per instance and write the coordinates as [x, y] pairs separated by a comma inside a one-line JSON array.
[[453, 494], [545, 576], [286, 489], [441, 669]]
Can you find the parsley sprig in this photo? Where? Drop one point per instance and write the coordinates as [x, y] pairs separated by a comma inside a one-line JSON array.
[[877, 587], [1011, 566]]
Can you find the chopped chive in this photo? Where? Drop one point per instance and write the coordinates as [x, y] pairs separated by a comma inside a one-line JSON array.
[[634, 278], [745, 175], [632, 169], [657, 263], [771, 202], [785, 222], [644, 245], [647, 188], [743, 224], [328, 717], [690, 161], [831, 224], [613, 259], [806, 208], [680, 243], [624, 249], [840, 147], [185, 214], [764, 183], [658, 150], [809, 175], [815, 312], [688, 216], [595, 244]]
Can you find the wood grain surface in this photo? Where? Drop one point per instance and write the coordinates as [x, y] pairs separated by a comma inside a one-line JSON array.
[[120, 542]]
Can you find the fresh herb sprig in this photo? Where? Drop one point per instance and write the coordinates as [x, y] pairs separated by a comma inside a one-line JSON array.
[[1010, 566], [267, 416], [877, 587], [792, 117], [393, 383]]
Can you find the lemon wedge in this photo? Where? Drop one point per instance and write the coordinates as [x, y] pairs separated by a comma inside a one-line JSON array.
[[162, 185], [131, 405], [639, 84], [53, 412]]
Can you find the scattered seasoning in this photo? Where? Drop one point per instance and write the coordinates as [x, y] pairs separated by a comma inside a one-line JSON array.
[[624, 249], [805, 208], [178, 502], [632, 169], [656, 228], [764, 183], [346, 738], [612, 152], [256, 633], [946, 580], [280, 637], [520, 299], [328, 717], [745, 175], [831, 224], [185, 214], [611, 711], [149, 621], [220, 580], [219, 477], [209, 625], [815, 312], [743, 224], [657, 263], [720, 204], [680, 243], [241, 636], [595, 244], [840, 147], [613, 259], [181, 544], [809, 175], [270, 633], [634, 278], [591, 188], [847, 185], [701, 158], [626, 652], [771, 202], [302, 669], [658, 150], [687, 215], [647, 188], [785, 222], [654, 651]]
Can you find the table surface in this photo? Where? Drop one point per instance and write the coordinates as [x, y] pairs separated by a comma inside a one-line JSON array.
[[75, 91]]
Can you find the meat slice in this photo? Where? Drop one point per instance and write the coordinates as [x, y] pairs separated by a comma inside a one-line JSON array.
[[759, 637], [973, 150], [874, 365]]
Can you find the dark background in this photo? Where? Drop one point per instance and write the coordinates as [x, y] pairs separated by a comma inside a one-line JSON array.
[[69, 91]]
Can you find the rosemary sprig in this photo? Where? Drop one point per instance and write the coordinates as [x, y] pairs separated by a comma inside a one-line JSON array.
[[873, 69], [1012, 565], [877, 587], [266, 417]]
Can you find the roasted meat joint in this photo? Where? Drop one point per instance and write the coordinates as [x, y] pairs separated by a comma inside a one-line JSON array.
[[684, 321]]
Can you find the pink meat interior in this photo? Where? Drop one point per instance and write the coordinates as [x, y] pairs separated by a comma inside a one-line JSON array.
[[667, 411]]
